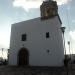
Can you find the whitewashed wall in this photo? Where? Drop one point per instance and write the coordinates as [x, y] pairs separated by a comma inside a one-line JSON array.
[[37, 43]]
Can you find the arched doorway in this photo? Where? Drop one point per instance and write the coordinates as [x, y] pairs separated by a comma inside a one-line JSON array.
[[23, 57]]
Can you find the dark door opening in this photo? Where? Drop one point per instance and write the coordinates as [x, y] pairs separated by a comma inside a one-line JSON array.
[[23, 57]]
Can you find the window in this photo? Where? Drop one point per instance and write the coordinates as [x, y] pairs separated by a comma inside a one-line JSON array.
[[48, 51], [47, 34], [24, 37]]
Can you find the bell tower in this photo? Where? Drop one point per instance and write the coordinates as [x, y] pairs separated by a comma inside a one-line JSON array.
[[48, 9]]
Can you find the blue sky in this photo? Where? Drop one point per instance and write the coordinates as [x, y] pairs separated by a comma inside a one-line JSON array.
[[12, 11]]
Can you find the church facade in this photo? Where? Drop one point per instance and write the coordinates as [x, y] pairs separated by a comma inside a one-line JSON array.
[[38, 42]]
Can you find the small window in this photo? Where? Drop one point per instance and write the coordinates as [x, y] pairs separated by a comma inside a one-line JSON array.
[[24, 37], [47, 35], [48, 51]]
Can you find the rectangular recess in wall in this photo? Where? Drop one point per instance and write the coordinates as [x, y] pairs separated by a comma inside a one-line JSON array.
[[47, 35], [24, 37]]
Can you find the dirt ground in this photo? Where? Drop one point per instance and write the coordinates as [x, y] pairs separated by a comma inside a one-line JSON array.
[[25, 70]]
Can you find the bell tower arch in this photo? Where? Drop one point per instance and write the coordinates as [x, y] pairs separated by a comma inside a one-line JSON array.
[[48, 9]]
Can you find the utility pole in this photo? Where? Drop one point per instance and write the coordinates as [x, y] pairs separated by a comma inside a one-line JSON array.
[[2, 52], [70, 56], [63, 31], [65, 60], [69, 48]]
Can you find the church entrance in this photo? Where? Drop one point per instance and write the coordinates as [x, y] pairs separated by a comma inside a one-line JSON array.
[[23, 57]]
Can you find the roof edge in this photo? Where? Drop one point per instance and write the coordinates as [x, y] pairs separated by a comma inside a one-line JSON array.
[[46, 18]]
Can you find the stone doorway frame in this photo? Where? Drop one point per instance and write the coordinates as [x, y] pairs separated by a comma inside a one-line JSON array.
[[23, 57]]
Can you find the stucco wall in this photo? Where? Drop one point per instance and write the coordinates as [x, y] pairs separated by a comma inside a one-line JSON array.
[[37, 43]]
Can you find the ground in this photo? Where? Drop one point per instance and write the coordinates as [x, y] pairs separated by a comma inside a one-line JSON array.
[[25, 70]]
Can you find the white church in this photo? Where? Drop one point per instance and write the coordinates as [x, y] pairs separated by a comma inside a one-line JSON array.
[[39, 41]]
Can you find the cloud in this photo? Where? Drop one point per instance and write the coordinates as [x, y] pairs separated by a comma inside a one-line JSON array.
[[72, 34], [73, 21], [61, 2], [28, 4], [4, 39]]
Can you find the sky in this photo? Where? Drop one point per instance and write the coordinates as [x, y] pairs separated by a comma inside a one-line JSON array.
[[13, 11]]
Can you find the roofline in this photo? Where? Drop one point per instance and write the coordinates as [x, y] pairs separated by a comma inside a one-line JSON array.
[[42, 19], [45, 18], [59, 19]]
